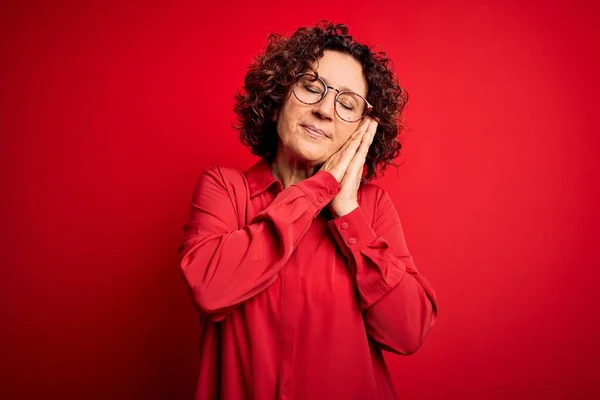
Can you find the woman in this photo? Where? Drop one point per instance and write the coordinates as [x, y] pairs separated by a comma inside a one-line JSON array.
[[299, 266]]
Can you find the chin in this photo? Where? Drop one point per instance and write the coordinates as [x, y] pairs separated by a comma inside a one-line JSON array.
[[312, 157]]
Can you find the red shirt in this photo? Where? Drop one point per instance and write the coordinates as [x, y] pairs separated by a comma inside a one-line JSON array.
[[296, 304]]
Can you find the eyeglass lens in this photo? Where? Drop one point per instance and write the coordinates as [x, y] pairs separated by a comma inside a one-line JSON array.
[[310, 90]]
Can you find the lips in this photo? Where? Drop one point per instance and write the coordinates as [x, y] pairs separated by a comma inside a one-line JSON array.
[[314, 131]]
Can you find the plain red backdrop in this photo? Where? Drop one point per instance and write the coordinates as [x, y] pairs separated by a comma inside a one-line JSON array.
[[109, 112]]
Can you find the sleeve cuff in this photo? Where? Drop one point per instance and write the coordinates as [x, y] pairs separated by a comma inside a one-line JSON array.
[[320, 188], [352, 231]]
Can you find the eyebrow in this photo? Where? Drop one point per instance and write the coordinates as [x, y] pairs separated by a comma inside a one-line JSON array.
[[341, 88]]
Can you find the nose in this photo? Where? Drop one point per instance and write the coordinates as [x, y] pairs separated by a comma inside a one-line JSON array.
[[326, 107]]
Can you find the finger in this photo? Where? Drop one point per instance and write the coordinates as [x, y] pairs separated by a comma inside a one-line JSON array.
[[355, 136], [360, 132], [353, 145], [355, 180], [362, 127], [345, 153], [360, 156], [366, 141]]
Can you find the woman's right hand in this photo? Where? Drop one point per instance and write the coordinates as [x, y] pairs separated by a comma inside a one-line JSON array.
[[338, 162]]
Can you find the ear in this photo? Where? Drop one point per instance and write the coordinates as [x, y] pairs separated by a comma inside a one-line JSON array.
[[275, 115]]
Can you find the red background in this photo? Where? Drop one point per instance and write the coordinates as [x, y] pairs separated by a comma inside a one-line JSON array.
[[110, 112]]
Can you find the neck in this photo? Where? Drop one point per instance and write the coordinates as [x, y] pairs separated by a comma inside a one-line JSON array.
[[290, 170]]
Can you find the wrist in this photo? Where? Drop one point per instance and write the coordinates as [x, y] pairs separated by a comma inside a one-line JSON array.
[[340, 211]]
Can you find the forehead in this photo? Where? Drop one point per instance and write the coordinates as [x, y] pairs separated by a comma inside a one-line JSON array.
[[342, 71]]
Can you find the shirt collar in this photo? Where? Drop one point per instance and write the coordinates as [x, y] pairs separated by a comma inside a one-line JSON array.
[[260, 177]]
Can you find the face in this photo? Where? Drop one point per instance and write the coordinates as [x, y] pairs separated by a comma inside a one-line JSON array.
[[295, 119]]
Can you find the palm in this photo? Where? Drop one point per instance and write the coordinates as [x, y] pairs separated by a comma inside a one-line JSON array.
[[352, 156]]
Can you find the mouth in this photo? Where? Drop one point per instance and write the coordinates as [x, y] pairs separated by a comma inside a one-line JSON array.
[[315, 132]]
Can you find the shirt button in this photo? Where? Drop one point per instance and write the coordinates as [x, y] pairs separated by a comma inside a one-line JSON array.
[[352, 240], [320, 199], [332, 190], [286, 389], [344, 225]]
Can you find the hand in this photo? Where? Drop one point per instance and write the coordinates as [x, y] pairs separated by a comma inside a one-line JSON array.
[[338, 162], [348, 163]]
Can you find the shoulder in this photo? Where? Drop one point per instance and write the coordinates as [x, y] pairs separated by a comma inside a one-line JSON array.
[[217, 192], [370, 193], [368, 199], [222, 174], [375, 200], [219, 178]]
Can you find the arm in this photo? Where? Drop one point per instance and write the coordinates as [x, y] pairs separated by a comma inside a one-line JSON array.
[[225, 266], [399, 305]]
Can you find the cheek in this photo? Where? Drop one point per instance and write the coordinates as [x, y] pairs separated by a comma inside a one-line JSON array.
[[285, 130], [282, 126], [287, 119], [344, 134]]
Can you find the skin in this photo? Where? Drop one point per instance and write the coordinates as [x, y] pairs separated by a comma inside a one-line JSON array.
[[343, 152]]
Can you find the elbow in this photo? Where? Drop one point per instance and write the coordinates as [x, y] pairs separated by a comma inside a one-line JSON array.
[[207, 304], [417, 335], [404, 345], [208, 307], [409, 347], [400, 340], [409, 337], [417, 330]]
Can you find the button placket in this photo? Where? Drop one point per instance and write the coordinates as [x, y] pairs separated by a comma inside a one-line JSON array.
[[289, 320]]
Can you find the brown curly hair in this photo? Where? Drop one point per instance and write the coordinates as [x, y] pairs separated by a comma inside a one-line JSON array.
[[269, 78]]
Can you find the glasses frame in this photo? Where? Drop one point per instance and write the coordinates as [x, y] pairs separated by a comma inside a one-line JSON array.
[[335, 103]]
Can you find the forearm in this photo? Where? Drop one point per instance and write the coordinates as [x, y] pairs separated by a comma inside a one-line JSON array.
[[399, 305], [225, 266], [402, 318], [226, 269]]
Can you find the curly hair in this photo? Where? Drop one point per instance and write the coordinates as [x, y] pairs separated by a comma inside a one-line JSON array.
[[272, 73]]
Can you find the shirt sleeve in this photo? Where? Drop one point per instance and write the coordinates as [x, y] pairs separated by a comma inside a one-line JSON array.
[[399, 305], [225, 265]]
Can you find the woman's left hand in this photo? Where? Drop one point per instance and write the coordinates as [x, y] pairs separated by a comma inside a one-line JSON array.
[[346, 200]]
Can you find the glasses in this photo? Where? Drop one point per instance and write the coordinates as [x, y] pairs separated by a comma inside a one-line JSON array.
[[349, 106]]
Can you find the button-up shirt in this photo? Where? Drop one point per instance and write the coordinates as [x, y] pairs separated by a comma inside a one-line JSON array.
[[294, 302]]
